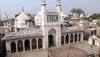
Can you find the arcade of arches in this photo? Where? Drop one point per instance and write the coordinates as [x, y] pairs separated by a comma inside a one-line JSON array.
[[36, 44], [26, 45], [71, 38]]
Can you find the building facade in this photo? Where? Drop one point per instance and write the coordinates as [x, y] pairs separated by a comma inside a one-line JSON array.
[[34, 35]]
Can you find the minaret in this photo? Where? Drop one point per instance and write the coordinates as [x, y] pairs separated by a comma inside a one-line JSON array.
[[44, 28], [58, 6], [43, 6], [43, 11], [59, 9]]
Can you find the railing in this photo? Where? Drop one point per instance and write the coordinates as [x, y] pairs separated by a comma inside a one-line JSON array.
[[67, 29], [24, 32]]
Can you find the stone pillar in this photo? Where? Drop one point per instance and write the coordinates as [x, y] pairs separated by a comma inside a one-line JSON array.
[[23, 45], [16, 46], [8, 47], [77, 37], [64, 39], [69, 37], [30, 44], [82, 36], [37, 43], [73, 37]]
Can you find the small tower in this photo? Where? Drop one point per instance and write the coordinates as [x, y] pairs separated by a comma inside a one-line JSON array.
[[43, 12], [58, 6], [43, 6]]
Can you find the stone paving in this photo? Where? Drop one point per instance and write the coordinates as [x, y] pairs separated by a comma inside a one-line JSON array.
[[79, 49]]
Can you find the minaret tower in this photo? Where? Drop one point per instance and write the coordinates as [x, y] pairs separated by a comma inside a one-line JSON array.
[[43, 11], [58, 6], [43, 24], [43, 6], [59, 10]]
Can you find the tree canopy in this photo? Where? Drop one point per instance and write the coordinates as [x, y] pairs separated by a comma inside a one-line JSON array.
[[95, 16], [77, 11]]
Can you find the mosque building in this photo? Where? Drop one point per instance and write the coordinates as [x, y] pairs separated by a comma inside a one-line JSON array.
[[50, 34]]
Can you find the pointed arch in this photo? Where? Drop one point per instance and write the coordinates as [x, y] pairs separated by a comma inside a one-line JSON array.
[[40, 43], [13, 47], [27, 45], [51, 37], [50, 40], [62, 40], [34, 44], [20, 45], [67, 38], [71, 38], [75, 38], [79, 37]]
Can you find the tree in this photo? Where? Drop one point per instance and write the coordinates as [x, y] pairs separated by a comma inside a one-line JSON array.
[[95, 16], [77, 11]]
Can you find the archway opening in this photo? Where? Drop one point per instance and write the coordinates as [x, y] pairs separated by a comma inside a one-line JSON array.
[[71, 38], [27, 45], [67, 38], [50, 40], [13, 47], [20, 45], [40, 43], [79, 37], [34, 44], [62, 40], [75, 38]]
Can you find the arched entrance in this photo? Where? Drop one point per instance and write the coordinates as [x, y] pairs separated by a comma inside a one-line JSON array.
[[67, 39], [40, 43], [79, 37], [50, 40], [27, 45], [34, 44], [13, 47], [75, 38], [62, 40], [20, 45], [71, 38]]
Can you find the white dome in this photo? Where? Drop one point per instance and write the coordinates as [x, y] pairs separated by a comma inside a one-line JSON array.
[[23, 16], [81, 15], [20, 21], [38, 19]]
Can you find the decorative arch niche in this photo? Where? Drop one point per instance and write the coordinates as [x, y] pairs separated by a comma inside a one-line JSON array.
[[51, 37]]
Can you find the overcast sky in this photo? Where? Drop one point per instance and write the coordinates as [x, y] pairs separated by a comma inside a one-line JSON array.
[[33, 6]]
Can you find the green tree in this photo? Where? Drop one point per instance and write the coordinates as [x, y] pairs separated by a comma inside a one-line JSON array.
[[77, 11], [95, 16]]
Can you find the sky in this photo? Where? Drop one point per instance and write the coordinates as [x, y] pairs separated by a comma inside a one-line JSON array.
[[12, 7]]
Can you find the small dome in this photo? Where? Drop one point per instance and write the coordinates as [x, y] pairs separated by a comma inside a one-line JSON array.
[[23, 16], [81, 15], [94, 37], [75, 16], [38, 19]]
